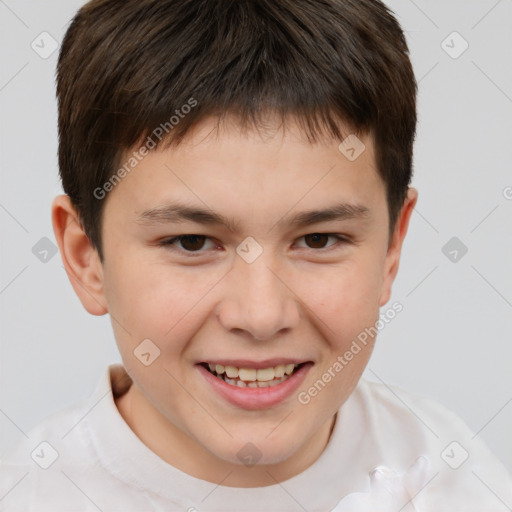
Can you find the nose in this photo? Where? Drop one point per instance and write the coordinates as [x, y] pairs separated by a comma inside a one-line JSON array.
[[258, 301]]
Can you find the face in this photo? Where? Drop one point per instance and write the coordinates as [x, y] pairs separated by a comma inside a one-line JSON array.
[[249, 264]]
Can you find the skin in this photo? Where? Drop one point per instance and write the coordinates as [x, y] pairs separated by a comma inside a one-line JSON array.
[[301, 299]]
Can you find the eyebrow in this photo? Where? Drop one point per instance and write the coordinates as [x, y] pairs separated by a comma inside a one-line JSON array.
[[176, 213]]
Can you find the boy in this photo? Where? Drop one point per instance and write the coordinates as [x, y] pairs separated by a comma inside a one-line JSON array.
[[237, 195]]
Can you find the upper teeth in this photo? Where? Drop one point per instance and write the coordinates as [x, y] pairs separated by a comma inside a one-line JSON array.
[[251, 374]]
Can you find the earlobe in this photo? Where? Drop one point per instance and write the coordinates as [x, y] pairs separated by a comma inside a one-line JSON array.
[[81, 260], [395, 247]]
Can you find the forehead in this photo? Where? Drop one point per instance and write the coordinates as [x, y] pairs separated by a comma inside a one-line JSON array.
[[240, 173]]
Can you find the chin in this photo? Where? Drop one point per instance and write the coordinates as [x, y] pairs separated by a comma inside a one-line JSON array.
[[255, 451]]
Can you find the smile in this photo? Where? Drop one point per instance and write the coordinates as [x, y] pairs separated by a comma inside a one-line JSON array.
[[254, 385], [252, 377]]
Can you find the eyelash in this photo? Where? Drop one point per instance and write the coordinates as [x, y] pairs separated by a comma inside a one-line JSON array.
[[168, 243]]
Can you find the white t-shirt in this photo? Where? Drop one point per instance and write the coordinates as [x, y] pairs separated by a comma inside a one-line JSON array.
[[86, 458]]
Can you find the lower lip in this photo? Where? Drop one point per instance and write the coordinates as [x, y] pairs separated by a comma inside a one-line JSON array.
[[256, 398]]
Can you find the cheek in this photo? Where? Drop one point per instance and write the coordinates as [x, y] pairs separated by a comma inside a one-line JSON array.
[[344, 298], [157, 301]]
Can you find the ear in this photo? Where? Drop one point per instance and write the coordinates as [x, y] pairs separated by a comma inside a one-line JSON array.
[[395, 247], [80, 258]]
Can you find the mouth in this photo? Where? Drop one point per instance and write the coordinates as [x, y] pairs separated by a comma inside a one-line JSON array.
[[254, 385], [252, 377]]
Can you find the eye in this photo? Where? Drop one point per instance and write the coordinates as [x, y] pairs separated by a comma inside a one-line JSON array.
[[189, 243], [319, 240], [198, 244]]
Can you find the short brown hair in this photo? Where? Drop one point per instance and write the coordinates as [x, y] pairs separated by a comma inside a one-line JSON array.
[[125, 66]]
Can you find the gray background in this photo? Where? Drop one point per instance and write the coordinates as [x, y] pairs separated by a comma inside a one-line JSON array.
[[451, 342]]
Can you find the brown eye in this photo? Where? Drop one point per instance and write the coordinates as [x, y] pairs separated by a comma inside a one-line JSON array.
[[324, 241], [316, 240], [189, 243], [192, 242]]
